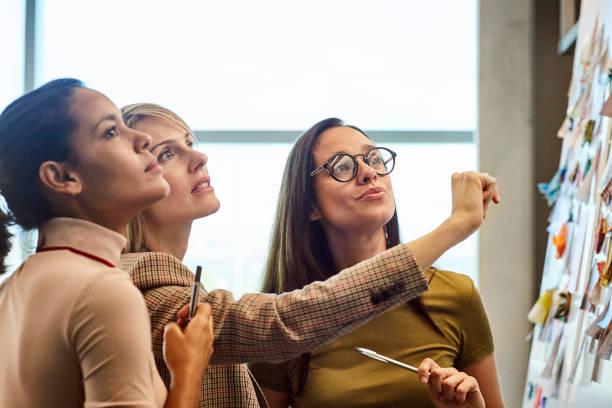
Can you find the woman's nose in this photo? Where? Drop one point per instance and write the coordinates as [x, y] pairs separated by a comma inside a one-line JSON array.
[[142, 140], [365, 173], [198, 160]]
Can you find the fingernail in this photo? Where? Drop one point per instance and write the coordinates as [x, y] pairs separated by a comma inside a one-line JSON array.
[[423, 380]]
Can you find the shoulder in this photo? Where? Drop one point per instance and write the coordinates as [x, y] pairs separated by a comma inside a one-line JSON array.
[[150, 270], [109, 287], [449, 290], [103, 297], [458, 283]]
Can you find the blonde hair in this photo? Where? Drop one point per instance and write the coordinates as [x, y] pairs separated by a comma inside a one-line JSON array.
[[135, 231]]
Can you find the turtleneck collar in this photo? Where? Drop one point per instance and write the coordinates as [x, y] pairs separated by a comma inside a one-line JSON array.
[[82, 235]]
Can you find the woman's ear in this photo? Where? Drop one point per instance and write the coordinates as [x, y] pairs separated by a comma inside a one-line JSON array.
[[59, 178], [315, 214]]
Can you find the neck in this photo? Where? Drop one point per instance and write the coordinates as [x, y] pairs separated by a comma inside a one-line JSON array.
[[349, 248], [171, 239], [114, 223], [73, 208]]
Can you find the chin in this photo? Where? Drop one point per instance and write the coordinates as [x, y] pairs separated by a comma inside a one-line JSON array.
[[155, 194], [209, 209]]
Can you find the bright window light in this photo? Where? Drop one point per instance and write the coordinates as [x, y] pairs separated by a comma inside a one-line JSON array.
[[12, 26], [273, 64]]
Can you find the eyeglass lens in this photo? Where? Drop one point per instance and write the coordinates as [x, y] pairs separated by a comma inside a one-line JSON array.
[[343, 165]]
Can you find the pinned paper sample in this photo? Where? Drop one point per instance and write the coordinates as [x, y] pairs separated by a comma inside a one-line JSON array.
[[564, 300], [606, 194], [573, 176], [539, 311], [588, 364], [588, 131], [606, 109], [606, 275], [584, 191], [575, 136], [595, 330], [560, 240], [600, 234], [591, 294], [605, 349], [604, 60], [552, 357], [551, 189], [565, 128], [583, 102], [538, 398], [587, 50], [579, 356]]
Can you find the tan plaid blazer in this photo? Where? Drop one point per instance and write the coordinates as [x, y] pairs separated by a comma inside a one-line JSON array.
[[267, 327]]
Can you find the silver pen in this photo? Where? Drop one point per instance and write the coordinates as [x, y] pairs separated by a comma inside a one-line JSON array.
[[385, 359], [195, 293]]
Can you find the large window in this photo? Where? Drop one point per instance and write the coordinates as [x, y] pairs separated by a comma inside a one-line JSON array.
[[12, 25], [273, 64], [249, 75], [12, 54]]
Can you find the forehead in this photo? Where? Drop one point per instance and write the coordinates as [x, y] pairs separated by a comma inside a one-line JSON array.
[[89, 106], [161, 129], [340, 139]]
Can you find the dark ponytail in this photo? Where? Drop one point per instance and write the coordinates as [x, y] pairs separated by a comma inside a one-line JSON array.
[[33, 129]]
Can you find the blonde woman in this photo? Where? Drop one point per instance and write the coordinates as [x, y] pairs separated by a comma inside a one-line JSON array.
[[264, 327]]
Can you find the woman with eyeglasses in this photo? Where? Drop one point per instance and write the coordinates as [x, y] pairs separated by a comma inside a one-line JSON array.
[[266, 327], [75, 331], [335, 209]]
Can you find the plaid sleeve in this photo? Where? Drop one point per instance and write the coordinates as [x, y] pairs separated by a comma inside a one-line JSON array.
[[164, 304], [267, 327]]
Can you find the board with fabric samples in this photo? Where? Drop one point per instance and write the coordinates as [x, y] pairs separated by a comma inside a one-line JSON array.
[[569, 363]]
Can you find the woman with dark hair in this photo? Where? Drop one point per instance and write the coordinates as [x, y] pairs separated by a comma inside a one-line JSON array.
[[266, 327], [75, 331], [336, 208]]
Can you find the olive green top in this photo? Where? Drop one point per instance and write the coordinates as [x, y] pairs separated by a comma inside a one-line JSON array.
[[338, 376]]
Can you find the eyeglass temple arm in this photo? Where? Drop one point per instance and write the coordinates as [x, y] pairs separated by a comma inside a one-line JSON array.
[[318, 169]]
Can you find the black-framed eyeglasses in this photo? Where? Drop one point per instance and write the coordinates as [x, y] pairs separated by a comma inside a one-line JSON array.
[[343, 166]]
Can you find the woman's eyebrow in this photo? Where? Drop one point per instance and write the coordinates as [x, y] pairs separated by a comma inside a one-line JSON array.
[[112, 117], [167, 141]]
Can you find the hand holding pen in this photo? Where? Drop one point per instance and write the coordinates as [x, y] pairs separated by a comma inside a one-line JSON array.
[[448, 387], [187, 353]]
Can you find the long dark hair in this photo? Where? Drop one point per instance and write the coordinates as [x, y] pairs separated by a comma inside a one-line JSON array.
[[33, 129], [299, 252]]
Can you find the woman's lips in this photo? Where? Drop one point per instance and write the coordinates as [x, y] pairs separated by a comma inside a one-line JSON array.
[[372, 194], [203, 185]]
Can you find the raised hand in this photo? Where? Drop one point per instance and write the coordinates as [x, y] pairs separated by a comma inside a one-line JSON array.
[[472, 193]]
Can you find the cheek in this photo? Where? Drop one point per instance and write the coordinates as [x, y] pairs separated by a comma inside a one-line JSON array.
[[332, 200]]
